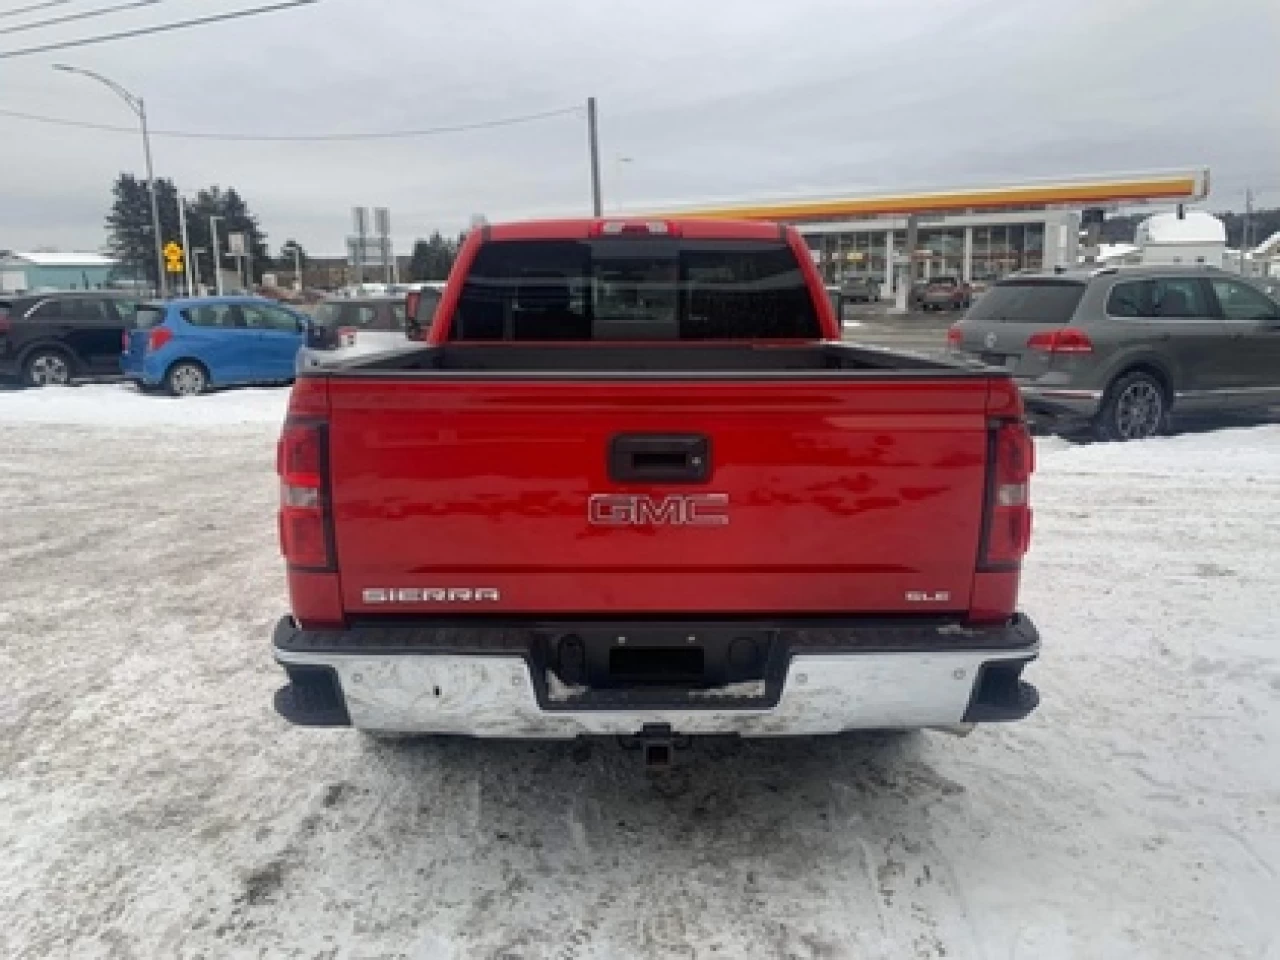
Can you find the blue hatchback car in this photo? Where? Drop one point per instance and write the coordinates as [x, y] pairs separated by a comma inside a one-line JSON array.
[[188, 346]]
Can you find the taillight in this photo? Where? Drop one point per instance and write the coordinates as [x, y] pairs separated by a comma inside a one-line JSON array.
[[347, 336], [124, 342], [6, 325], [955, 336], [158, 338], [305, 538], [1061, 340], [1008, 533]]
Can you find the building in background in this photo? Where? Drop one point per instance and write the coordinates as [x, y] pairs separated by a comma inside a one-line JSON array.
[[21, 272], [977, 233], [1264, 259], [1192, 237]]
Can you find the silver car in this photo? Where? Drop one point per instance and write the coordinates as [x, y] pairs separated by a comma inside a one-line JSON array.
[[347, 327], [1121, 348]]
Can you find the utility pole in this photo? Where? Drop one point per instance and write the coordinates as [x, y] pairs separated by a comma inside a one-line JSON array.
[[593, 145]]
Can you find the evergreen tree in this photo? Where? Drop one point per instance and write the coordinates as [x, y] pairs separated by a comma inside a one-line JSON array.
[[432, 258], [129, 226]]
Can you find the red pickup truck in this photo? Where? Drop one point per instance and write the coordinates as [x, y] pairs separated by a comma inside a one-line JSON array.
[[631, 482]]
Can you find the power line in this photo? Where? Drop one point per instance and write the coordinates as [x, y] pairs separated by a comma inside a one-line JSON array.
[[34, 7], [300, 138], [85, 15], [160, 28]]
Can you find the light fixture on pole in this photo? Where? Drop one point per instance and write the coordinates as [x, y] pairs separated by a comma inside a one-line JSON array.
[[140, 110]]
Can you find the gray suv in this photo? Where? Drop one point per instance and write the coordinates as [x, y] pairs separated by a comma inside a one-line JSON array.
[[1119, 348]]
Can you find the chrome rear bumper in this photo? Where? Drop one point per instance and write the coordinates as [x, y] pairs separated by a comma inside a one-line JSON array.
[[498, 694]]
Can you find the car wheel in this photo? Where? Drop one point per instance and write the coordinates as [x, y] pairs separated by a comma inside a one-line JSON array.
[[47, 368], [186, 379], [1136, 408]]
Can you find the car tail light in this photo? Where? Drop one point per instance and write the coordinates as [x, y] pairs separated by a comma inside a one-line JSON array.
[[1061, 340], [347, 336], [158, 338], [6, 325], [124, 342], [305, 535], [1008, 531], [955, 336]]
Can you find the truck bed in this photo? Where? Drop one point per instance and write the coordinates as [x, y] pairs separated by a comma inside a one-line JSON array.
[[657, 359]]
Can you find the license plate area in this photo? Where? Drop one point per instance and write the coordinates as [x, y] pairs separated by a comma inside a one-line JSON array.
[[660, 666], [657, 666]]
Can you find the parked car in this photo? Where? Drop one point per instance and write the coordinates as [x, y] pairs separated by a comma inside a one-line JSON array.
[[420, 307], [860, 289], [191, 345], [946, 293], [915, 296], [53, 338], [594, 503], [345, 327], [1122, 348]]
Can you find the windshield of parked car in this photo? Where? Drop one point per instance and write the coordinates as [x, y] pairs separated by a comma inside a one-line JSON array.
[[629, 288], [1027, 301]]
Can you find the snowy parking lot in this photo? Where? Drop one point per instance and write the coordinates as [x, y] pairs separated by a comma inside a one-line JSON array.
[[153, 805]]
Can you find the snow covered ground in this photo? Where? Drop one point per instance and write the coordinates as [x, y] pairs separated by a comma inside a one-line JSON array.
[[152, 805]]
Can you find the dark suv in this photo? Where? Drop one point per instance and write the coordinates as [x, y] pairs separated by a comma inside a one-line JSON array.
[[51, 338], [1119, 348]]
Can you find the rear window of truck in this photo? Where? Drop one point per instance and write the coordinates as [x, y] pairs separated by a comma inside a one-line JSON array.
[[1028, 301], [635, 289]]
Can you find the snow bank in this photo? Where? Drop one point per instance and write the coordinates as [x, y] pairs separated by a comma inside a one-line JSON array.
[[123, 405]]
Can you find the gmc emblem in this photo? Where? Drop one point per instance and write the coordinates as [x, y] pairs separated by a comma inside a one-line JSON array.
[[676, 510]]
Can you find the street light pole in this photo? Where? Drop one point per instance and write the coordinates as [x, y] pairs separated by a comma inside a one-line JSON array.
[[217, 254], [195, 268], [186, 245], [140, 110]]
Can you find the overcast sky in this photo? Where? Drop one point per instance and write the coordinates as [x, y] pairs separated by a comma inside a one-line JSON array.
[[707, 98]]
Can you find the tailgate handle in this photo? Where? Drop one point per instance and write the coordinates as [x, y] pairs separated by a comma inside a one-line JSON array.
[[659, 458]]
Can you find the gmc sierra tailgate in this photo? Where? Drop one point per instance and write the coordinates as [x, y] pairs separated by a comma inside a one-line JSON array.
[[619, 494]]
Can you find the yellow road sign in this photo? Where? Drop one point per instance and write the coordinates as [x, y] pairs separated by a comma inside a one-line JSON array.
[[173, 257]]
